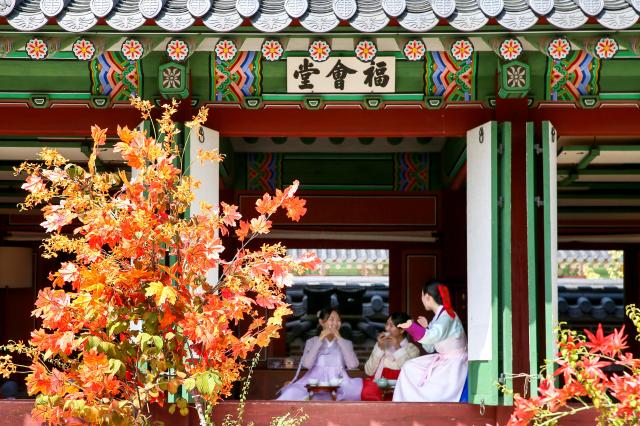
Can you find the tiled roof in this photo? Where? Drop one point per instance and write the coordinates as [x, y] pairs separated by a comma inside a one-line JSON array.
[[582, 256], [346, 255], [317, 15], [582, 303]]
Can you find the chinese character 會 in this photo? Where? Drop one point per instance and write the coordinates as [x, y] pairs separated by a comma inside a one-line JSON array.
[[339, 72], [376, 74], [304, 73]]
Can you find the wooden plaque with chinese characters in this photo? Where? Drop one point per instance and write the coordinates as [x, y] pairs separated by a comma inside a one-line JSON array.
[[341, 75]]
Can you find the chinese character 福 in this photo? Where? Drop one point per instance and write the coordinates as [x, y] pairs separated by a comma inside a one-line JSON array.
[[376, 74], [304, 72]]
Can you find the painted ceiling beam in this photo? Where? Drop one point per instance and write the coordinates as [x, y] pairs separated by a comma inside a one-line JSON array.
[[606, 185], [600, 195], [602, 148], [609, 172], [569, 179], [588, 158], [574, 173]]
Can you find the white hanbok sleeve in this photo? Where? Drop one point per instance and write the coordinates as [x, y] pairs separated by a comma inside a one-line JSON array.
[[374, 361], [405, 353]]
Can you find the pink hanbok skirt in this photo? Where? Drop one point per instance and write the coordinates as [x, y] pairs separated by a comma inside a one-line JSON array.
[[437, 377]]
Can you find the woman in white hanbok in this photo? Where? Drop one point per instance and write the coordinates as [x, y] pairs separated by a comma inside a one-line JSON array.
[[439, 376]]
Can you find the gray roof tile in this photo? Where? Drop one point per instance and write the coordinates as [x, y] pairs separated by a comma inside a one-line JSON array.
[[318, 15]]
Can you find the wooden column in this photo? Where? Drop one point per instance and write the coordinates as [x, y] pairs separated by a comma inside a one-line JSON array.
[[516, 111]]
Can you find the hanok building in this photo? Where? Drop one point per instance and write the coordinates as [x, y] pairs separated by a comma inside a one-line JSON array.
[[465, 140]]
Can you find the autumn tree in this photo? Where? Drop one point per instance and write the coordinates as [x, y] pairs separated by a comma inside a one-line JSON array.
[[137, 257]]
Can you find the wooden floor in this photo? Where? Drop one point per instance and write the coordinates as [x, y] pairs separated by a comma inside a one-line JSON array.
[[16, 413]]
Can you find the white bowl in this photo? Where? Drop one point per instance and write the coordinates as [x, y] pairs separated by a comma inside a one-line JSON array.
[[313, 382], [392, 382], [323, 384], [335, 382]]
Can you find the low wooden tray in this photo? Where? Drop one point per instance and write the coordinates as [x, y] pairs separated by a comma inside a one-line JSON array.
[[312, 389]]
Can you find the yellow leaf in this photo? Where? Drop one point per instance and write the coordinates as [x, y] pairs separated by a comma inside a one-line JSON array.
[[168, 293], [161, 293]]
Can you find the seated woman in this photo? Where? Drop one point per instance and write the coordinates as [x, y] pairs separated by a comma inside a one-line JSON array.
[[327, 357], [389, 354], [439, 376]]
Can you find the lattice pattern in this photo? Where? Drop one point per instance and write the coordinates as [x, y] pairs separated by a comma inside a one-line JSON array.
[[263, 171], [114, 76], [453, 80], [411, 171], [576, 75], [238, 78]]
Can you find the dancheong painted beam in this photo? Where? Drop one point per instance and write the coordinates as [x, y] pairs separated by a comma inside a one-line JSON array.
[[317, 16]]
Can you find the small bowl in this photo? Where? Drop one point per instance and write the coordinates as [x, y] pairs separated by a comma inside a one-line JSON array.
[[382, 382], [392, 382], [323, 384], [313, 382], [335, 382]]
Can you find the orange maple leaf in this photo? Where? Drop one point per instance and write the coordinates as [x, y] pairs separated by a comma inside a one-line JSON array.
[[230, 214], [260, 225], [266, 302], [99, 135], [167, 319], [266, 205], [295, 208], [125, 134], [38, 381], [243, 231]]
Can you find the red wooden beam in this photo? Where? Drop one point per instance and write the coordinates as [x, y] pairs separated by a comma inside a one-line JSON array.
[[348, 122], [609, 120], [63, 120], [343, 208], [75, 120]]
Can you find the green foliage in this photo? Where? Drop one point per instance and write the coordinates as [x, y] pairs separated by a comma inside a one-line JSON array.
[[288, 419]]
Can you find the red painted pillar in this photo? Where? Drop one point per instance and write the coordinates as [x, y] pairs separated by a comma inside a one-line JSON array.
[[516, 111]]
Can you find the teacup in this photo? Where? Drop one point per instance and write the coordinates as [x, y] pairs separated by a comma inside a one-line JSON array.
[[392, 382], [313, 382], [382, 382]]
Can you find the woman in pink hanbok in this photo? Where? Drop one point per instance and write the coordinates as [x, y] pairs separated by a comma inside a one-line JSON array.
[[327, 358], [439, 376]]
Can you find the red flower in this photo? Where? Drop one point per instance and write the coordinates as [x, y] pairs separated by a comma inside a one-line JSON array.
[[609, 345], [617, 341], [524, 410], [596, 341], [550, 395], [626, 389], [572, 389], [592, 367], [628, 360]]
